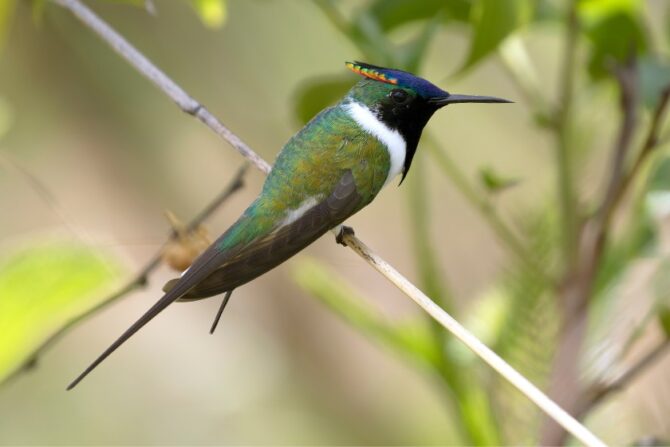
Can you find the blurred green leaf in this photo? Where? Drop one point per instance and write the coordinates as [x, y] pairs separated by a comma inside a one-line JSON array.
[[637, 239], [524, 321], [546, 10], [6, 15], [660, 178], [394, 13], [661, 284], [493, 182], [213, 13], [313, 95], [658, 193], [410, 55], [492, 21], [42, 288], [413, 339], [433, 280], [654, 77], [6, 117], [615, 30], [371, 39], [136, 3], [664, 319]]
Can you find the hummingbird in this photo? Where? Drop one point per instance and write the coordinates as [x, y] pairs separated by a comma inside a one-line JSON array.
[[332, 168]]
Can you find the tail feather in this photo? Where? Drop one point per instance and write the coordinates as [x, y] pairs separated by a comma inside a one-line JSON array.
[[157, 308]]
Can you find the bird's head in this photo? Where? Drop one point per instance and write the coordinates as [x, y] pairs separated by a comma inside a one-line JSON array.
[[403, 101]]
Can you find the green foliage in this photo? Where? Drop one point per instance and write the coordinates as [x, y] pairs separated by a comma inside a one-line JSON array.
[[409, 338], [616, 32], [413, 339], [491, 22], [213, 13], [390, 14], [6, 14], [6, 116], [654, 77], [409, 55], [313, 95], [664, 319], [493, 182], [42, 289], [432, 279]]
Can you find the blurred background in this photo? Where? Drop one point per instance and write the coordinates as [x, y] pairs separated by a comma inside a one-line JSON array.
[[323, 350]]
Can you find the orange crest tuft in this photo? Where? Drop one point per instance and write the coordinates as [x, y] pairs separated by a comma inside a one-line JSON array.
[[371, 73]]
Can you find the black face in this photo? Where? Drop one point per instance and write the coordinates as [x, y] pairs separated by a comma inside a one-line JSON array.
[[408, 113]]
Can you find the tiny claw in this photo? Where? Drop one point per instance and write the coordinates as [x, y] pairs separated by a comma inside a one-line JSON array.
[[344, 231]]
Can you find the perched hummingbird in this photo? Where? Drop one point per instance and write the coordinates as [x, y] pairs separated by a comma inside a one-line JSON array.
[[329, 170]]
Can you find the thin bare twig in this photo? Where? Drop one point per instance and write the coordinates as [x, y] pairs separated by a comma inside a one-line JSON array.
[[473, 343], [160, 79], [651, 142], [141, 278], [599, 392], [626, 76], [192, 107]]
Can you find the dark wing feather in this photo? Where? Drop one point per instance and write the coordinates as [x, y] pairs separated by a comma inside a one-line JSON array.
[[215, 271], [268, 251]]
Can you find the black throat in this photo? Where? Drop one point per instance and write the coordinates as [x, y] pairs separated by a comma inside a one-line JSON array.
[[409, 120]]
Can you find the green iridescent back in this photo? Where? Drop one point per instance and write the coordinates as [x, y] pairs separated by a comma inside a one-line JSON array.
[[311, 164]]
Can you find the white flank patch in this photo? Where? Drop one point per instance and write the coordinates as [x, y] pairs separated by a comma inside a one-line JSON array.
[[394, 142], [295, 214]]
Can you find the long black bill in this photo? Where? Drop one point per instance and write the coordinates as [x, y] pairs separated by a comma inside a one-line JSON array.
[[458, 99]]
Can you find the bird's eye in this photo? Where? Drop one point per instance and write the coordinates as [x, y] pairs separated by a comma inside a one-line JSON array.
[[399, 96]]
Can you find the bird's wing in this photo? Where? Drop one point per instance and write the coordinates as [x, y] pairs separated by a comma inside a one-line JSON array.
[[272, 249], [219, 271]]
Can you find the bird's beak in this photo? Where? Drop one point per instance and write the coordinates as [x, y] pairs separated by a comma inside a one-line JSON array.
[[456, 99]]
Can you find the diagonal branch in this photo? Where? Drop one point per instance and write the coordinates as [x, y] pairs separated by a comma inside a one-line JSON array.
[[191, 106], [143, 65], [598, 392], [141, 278]]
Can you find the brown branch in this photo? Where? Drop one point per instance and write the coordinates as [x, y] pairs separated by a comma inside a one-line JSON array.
[[627, 77], [141, 278], [578, 284], [651, 142], [598, 393], [183, 100]]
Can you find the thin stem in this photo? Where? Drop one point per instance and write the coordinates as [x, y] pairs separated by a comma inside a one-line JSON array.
[[651, 142], [519, 67], [485, 208], [563, 146], [141, 278], [598, 394], [144, 66], [627, 78], [467, 338]]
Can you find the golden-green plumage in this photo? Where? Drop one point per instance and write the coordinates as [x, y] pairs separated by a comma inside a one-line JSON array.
[[310, 165]]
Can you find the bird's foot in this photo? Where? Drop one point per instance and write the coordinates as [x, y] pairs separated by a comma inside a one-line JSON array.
[[344, 231]]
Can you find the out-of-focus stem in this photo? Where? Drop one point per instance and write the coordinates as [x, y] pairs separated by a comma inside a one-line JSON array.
[[482, 204]]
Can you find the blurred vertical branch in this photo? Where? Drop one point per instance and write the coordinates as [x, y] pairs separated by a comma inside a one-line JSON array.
[[578, 284]]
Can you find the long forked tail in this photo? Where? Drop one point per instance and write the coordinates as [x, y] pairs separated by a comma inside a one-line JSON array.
[[157, 308]]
